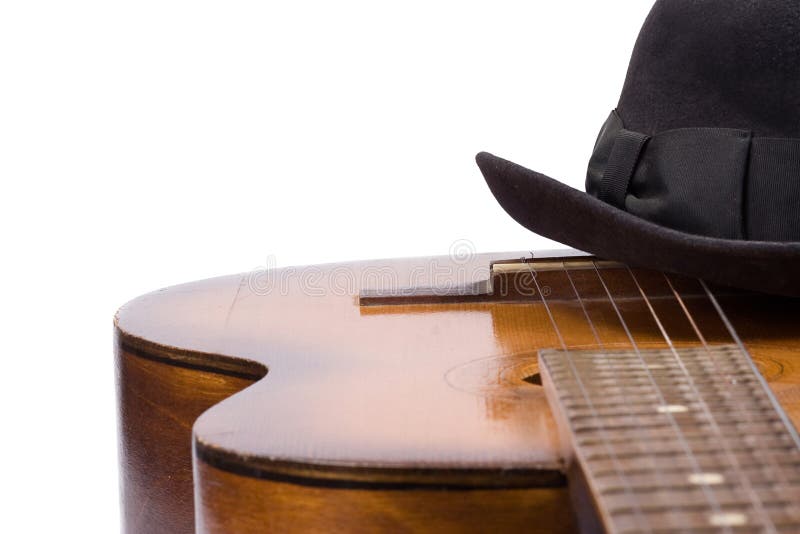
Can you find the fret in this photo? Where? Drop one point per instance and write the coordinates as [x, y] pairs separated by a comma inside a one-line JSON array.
[[680, 439], [681, 483], [646, 399], [785, 451], [706, 521], [643, 404], [680, 384], [668, 503], [708, 462], [688, 496], [645, 482], [667, 442], [655, 449], [645, 410], [731, 424]]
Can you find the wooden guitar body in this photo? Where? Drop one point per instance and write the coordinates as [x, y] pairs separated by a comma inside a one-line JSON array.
[[383, 396]]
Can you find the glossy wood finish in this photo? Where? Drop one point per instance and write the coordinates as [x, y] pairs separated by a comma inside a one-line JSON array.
[[677, 440], [368, 404], [159, 403], [235, 503]]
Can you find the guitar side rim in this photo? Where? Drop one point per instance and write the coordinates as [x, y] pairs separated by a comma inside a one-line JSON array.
[[327, 477], [447, 500]]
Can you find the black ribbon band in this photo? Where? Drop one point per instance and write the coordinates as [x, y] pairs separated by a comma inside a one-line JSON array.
[[622, 162], [715, 182]]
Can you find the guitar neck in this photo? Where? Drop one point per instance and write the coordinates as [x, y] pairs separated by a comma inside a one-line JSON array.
[[676, 440]]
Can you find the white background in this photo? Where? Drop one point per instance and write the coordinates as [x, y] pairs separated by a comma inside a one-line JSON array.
[[148, 143]]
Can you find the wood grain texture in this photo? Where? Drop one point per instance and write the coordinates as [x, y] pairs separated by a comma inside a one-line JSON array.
[[159, 403], [677, 439], [368, 404], [270, 506]]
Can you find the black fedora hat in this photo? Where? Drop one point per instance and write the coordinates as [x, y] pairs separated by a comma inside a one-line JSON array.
[[697, 171]]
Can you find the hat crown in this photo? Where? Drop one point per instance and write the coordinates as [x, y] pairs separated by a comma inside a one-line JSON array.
[[716, 63], [696, 172]]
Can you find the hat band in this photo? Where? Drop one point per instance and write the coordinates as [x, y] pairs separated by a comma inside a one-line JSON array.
[[714, 182]]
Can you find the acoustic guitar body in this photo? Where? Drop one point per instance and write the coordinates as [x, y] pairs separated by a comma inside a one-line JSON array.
[[398, 396]]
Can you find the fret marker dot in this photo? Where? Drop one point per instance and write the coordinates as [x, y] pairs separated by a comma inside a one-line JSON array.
[[672, 408], [728, 519], [706, 479]]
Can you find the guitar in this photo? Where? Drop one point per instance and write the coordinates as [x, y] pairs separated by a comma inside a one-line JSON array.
[[551, 392]]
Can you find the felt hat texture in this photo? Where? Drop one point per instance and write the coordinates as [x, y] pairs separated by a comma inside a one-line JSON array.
[[697, 170]]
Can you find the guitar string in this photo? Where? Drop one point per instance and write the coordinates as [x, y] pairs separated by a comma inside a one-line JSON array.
[[756, 501], [790, 428], [638, 512], [706, 489], [661, 483], [754, 497], [774, 469], [737, 340]]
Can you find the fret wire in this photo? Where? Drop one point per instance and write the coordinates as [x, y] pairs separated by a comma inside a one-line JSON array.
[[775, 469], [696, 328], [659, 475], [756, 501], [790, 428], [657, 390], [640, 520], [787, 425]]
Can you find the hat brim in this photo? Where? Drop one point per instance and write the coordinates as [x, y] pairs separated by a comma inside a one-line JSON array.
[[559, 212]]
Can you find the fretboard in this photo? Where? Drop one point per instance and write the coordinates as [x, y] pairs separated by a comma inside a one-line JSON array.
[[676, 440]]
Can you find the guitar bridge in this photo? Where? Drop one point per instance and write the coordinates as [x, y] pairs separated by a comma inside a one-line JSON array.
[[485, 278]]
